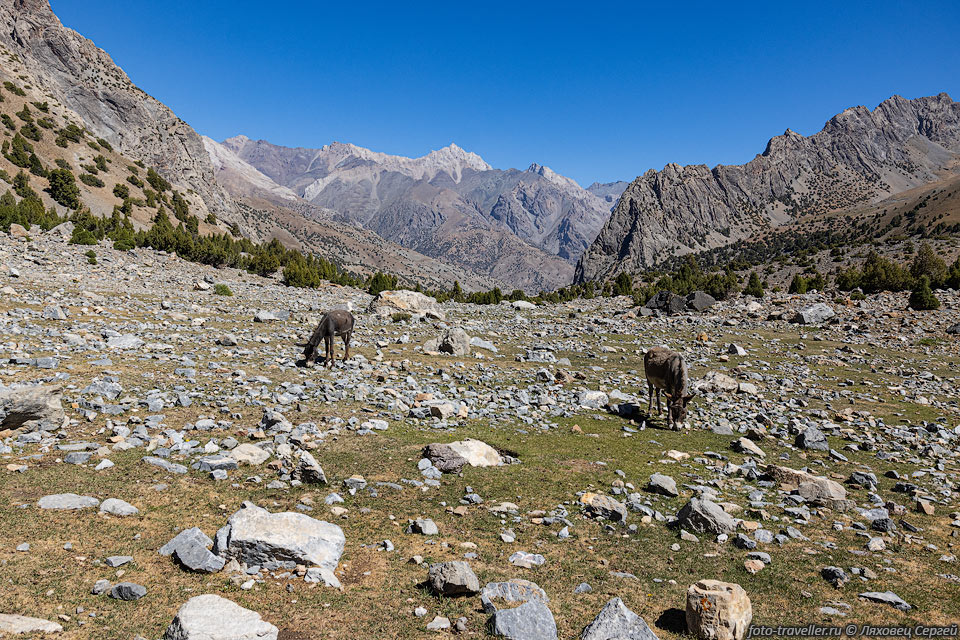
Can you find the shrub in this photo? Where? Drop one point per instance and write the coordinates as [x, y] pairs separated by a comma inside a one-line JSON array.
[[63, 164], [858, 295], [754, 286], [135, 181], [211, 219], [953, 275], [14, 89], [31, 132], [124, 244], [103, 143], [400, 317], [121, 190], [8, 122], [91, 180], [91, 256], [222, 290], [63, 188]]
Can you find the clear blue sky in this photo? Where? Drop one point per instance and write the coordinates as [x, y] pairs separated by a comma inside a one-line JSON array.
[[597, 91]]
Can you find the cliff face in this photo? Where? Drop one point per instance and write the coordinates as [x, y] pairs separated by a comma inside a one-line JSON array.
[[860, 156], [82, 77]]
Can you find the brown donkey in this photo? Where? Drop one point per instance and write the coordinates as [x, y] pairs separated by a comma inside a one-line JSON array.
[[667, 372], [332, 324]]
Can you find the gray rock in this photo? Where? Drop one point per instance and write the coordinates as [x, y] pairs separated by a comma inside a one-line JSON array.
[[886, 597], [308, 469], [67, 502], [210, 617], [255, 536], [700, 301], [118, 561], [186, 538], [530, 621], [77, 457], [812, 438], [166, 465], [667, 302], [197, 557], [15, 625], [126, 342], [454, 578], [127, 591], [100, 587], [663, 485], [29, 404], [511, 591], [423, 526], [616, 622], [455, 342], [814, 314], [704, 516]]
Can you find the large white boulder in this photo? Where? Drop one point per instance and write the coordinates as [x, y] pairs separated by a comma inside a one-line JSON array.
[[257, 537], [477, 453], [402, 301]]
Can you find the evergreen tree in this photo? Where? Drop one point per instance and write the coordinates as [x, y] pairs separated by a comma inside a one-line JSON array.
[[63, 188], [798, 284], [754, 286], [922, 298], [928, 263]]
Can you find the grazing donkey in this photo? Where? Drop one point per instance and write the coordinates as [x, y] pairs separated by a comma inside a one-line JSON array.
[[332, 324], [667, 371]]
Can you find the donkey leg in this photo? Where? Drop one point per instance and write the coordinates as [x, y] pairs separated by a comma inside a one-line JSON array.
[[328, 350], [346, 345], [649, 397]]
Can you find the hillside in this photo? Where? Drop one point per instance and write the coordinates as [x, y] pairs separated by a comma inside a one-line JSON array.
[[859, 158]]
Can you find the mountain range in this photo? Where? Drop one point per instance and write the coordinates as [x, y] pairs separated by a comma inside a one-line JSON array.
[[449, 216], [859, 157]]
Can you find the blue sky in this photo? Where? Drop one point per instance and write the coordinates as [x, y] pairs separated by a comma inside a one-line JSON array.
[[597, 91]]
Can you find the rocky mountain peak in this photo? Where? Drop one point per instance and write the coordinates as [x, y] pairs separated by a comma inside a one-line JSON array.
[[859, 157], [554, 177]]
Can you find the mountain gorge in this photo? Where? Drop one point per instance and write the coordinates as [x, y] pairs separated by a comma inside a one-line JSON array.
[[860, 157]]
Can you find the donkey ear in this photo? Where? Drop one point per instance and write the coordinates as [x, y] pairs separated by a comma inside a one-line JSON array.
[[688, 398]]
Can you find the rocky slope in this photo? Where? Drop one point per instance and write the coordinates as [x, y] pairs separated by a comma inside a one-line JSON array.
[[822, 480], [516, 223], [74, 72], [859, 157]]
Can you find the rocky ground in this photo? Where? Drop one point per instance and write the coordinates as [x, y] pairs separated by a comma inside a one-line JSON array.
[[470, 469]]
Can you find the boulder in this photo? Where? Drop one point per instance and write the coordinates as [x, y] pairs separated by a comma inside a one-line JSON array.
[[255, 536], [523, 305], [16, 625], [817, 490], [663, 485], [716, 382], [718, 610], [530, 621], [617, 622], [700, 301], [30, 404], [451, 458], [210, 617], [886, 597], [248, 453], [454, 578], [701, 515], [601, 506], [308, 469], [455, 342], [125, 342], [592, 399], [814, 314], [413, 302], [812, 438], [117, 507], [666, 302], [127, 591]]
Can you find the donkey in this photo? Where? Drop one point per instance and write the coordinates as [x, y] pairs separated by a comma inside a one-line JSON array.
[[667, 372], [332, 324]]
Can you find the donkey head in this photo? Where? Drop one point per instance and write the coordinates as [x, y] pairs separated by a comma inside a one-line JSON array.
[[678, 407]]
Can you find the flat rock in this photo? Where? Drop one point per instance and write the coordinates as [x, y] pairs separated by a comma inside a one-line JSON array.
[[210, 617], [117, 507], [15, 625], [67, 502]]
